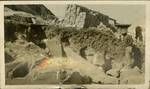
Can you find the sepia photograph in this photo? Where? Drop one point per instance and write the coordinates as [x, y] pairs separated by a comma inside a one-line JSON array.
[[74, 44]]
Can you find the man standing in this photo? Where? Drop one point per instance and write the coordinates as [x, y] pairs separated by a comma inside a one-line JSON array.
[[138, 33]]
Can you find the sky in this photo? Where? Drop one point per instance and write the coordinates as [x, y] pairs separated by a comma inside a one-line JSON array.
[[125, 14]]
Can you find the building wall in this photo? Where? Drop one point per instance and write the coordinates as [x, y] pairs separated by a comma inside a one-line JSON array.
[[82, 17]]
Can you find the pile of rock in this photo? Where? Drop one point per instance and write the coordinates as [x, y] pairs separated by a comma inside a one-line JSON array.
[[21, 58]]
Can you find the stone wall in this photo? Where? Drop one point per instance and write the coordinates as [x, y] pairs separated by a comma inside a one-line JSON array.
[[82, 17]]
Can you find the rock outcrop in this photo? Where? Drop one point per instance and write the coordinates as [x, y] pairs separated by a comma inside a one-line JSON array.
[[30, 15], [36, 10], [22, 59], [25, 31]]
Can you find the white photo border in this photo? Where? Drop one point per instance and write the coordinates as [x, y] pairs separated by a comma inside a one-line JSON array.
[[91, 86]]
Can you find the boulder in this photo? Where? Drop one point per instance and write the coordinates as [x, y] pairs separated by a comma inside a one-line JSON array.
[[55, 47], [113, 73], [76, 78], [23, 59]]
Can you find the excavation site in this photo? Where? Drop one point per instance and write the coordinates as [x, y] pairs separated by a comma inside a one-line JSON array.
[[86, 46]]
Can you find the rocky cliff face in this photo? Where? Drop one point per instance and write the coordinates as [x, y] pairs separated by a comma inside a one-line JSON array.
[[24, 20], [81, 17], [29, 15], [37, 10]]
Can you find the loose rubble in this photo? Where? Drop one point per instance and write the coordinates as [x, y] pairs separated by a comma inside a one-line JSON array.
[[52, 54]]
